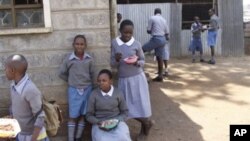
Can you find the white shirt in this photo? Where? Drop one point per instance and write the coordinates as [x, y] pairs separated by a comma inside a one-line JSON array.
[[120, 42], [110, 93], [20, 85]]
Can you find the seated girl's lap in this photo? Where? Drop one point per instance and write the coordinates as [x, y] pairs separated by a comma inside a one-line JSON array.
[[121, 133]]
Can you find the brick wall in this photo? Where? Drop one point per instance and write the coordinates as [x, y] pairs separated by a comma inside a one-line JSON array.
[[45, 52]]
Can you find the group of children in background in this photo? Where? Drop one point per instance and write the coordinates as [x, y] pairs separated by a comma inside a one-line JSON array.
[[196, 43]]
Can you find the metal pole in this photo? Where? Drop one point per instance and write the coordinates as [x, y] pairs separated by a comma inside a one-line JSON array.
[[113, 18]]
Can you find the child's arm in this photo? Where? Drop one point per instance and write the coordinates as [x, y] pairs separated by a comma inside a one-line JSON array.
[[93, 74], [35, 101], [35, 133], [113, 61], [141, 59], [63, 72], [90, 115], [122, 107]]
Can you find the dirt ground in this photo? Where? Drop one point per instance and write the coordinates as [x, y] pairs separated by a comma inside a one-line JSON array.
[[198, 101]]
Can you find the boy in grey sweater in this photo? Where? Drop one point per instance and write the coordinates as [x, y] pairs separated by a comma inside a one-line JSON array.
[[26, 101]]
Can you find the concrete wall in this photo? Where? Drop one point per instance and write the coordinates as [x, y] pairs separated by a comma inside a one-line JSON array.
[[45, 52], [247, 38]]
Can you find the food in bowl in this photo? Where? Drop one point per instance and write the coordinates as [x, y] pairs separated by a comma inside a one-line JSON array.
[[131, 59]]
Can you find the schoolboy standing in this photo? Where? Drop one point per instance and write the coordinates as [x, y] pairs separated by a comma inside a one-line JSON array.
[[157, 27], [212, 33], [26, 100], [196, 44]]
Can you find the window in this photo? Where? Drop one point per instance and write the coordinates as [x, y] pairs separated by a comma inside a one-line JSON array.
[[24, 16], [191, 10]]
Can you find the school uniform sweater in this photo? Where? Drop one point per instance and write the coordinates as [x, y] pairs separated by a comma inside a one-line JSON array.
[[26, 102], [127, 49], [196, 29], [78, 73], [158, 25], [106, 107], [213, 23]]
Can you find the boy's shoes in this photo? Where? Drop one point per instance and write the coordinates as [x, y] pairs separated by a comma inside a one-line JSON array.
[[78, 139], [165, 74], [193, 60], [202, 60], [211, 62], [158, 79]]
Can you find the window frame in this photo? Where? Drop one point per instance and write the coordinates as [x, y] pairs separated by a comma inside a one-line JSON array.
[[47, 23]]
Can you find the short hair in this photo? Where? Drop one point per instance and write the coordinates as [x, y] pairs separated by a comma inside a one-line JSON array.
[[211, 9], [106, 71], [18, 62], [125, 23], [119, 14], [80, 36], [157, 11]]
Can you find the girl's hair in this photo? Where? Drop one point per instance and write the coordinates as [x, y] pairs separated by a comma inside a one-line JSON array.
[[80, 36], [106, 71], [125, 23]]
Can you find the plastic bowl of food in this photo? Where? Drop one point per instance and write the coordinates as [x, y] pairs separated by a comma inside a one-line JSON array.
[[109, 124], [9, 128], [131, 59]]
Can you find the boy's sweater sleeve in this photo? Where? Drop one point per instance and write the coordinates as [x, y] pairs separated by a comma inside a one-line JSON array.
[[35, 100], [123, 108], [90, 115], [63, 72]]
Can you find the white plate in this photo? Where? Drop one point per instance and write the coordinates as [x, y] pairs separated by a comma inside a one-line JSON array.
[[12, 122]]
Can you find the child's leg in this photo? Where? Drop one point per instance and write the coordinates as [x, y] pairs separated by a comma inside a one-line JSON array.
[[71, 129], [212, 52], [193, 56], [80, 128]]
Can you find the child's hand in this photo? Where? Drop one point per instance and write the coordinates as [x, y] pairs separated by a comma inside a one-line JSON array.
[[118, 57]]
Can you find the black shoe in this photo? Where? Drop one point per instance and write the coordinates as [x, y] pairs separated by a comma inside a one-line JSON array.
[[211, 62], [193, 60], [158, 79], [202, 60], [78, 139], [165, 74]]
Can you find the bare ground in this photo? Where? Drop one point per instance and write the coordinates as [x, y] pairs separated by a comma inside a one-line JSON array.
[[198, 101]]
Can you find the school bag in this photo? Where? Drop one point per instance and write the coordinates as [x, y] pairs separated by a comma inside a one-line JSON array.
[[53, 116]]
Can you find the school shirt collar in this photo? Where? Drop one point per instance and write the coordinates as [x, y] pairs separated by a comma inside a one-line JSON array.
[[20, 85], [129, 43], [110, 93], [73, 56]]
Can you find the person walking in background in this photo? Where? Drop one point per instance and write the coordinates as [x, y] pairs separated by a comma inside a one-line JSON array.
[[127, 55], [196, 44], [78, 70], [212, 33], [157, 27]]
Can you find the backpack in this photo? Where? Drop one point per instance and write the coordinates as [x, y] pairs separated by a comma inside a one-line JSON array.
[[53, 116]]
